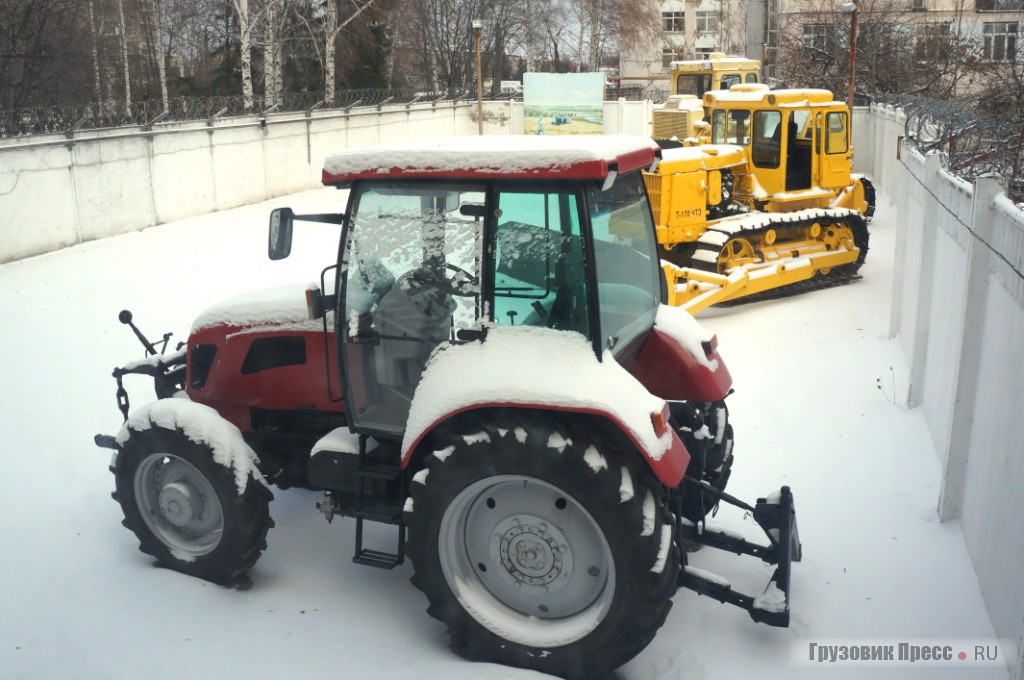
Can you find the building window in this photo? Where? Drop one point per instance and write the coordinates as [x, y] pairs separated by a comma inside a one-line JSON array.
[[673, 22], [1000, 40], [930, 41], [816, 36], [998, 5], [707, 21], [669, 54]]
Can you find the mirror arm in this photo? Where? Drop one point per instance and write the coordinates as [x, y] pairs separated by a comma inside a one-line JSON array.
[[328, 218]]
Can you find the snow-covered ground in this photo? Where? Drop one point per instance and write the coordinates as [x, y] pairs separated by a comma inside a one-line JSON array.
[[817, 407]]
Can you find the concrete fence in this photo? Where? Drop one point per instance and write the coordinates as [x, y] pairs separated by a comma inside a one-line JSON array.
[[958, 311], [57, 191]]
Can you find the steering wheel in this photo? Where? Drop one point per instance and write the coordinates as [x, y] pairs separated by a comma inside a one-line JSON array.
[[457, 284]]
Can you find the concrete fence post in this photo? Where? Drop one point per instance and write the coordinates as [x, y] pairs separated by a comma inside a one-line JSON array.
[[906, 186], [1017, 673], [951, 494], [926, 275]]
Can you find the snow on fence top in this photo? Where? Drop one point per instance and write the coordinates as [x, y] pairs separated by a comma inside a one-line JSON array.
[[511, 157]]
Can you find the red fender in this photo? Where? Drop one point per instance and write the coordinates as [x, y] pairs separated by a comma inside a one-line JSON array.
[[669, 467], [669, 371]]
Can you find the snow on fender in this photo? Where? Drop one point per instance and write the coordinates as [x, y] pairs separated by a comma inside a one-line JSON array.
[[524, 366], [202, 425]]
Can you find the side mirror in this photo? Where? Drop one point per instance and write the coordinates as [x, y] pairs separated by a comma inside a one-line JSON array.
[[279, 244]]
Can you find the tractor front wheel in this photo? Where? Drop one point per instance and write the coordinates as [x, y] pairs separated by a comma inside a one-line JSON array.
[[539, 548], [186, 509]]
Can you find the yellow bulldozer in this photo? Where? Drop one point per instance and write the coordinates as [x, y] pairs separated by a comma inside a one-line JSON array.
[[682, 115], [769, 206]]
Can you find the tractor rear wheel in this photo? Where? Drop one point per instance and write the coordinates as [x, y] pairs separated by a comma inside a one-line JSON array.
[[186, 509], [542, 549]]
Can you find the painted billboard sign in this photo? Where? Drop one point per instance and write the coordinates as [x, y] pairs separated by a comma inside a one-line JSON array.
[[563, 103]]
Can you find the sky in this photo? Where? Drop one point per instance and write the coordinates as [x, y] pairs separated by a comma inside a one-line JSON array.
[[817, 407]]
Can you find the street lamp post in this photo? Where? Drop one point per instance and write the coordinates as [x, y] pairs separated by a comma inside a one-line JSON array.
[[851, 9], [477, 25]]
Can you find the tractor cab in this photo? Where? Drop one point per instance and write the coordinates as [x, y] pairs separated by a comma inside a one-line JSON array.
[[797, 142], [428, 258]]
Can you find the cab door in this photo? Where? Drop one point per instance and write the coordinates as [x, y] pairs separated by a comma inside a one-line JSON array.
[[410, 278], [835, 155]]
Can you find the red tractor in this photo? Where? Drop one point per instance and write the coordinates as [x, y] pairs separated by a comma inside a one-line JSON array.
[[489, 368]]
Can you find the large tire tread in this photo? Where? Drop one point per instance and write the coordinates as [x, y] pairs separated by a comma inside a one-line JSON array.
[[246, 515], [645, 598]]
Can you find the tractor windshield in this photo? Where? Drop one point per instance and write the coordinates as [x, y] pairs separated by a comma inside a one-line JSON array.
[[625, 254]]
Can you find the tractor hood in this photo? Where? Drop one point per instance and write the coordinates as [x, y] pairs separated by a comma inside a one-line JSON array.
[[259, 351], [280, 308]]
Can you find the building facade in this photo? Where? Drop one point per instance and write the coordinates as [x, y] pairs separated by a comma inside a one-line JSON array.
[[689, 30], [984, 33]]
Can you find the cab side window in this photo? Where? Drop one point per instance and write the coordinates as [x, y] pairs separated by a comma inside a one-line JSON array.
[[730, 127], [539, 277], [767, 139], [836, 139]]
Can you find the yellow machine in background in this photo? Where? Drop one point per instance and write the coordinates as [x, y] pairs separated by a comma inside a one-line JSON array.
[[682, 115], [771, 202]]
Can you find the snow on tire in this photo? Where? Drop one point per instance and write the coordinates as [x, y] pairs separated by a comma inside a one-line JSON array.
[[527, 548], [186, 509]]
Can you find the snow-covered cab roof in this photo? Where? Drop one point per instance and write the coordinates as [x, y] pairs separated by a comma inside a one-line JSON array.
[[494, 157], [759, 93]]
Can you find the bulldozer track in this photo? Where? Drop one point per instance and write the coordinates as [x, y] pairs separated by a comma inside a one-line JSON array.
[[719, 236], [812, 284], [869, 196]]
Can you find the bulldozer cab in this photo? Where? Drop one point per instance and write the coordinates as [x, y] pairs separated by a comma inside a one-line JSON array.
[[715, 72], [796, 140], [430, 262], [681, 117]]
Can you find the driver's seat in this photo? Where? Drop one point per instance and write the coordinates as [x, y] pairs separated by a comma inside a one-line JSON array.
[[365, 291], [412, 318]]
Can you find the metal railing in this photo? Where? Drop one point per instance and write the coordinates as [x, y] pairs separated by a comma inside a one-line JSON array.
[[970, 145], [67, 118]]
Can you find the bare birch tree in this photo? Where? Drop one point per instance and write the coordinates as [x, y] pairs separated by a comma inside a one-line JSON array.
[[245, 25], [331, 32], [95, 59], [272, 54], [123, 33], [157, 12]]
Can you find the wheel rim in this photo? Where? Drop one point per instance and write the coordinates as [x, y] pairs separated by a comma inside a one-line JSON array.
[[837, 236], [179, 505], [526, 560], [735, 253]]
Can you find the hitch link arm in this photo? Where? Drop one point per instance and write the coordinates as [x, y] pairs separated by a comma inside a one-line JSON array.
[[777, 518]]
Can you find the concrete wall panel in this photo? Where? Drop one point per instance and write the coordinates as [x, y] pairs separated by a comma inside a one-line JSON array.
[[37, 201], [113, 187], [183, 184]]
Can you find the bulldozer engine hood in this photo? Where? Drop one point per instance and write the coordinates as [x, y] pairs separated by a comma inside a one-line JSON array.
[[706, 157], [759, 93], [592, 157], [533, 367]]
